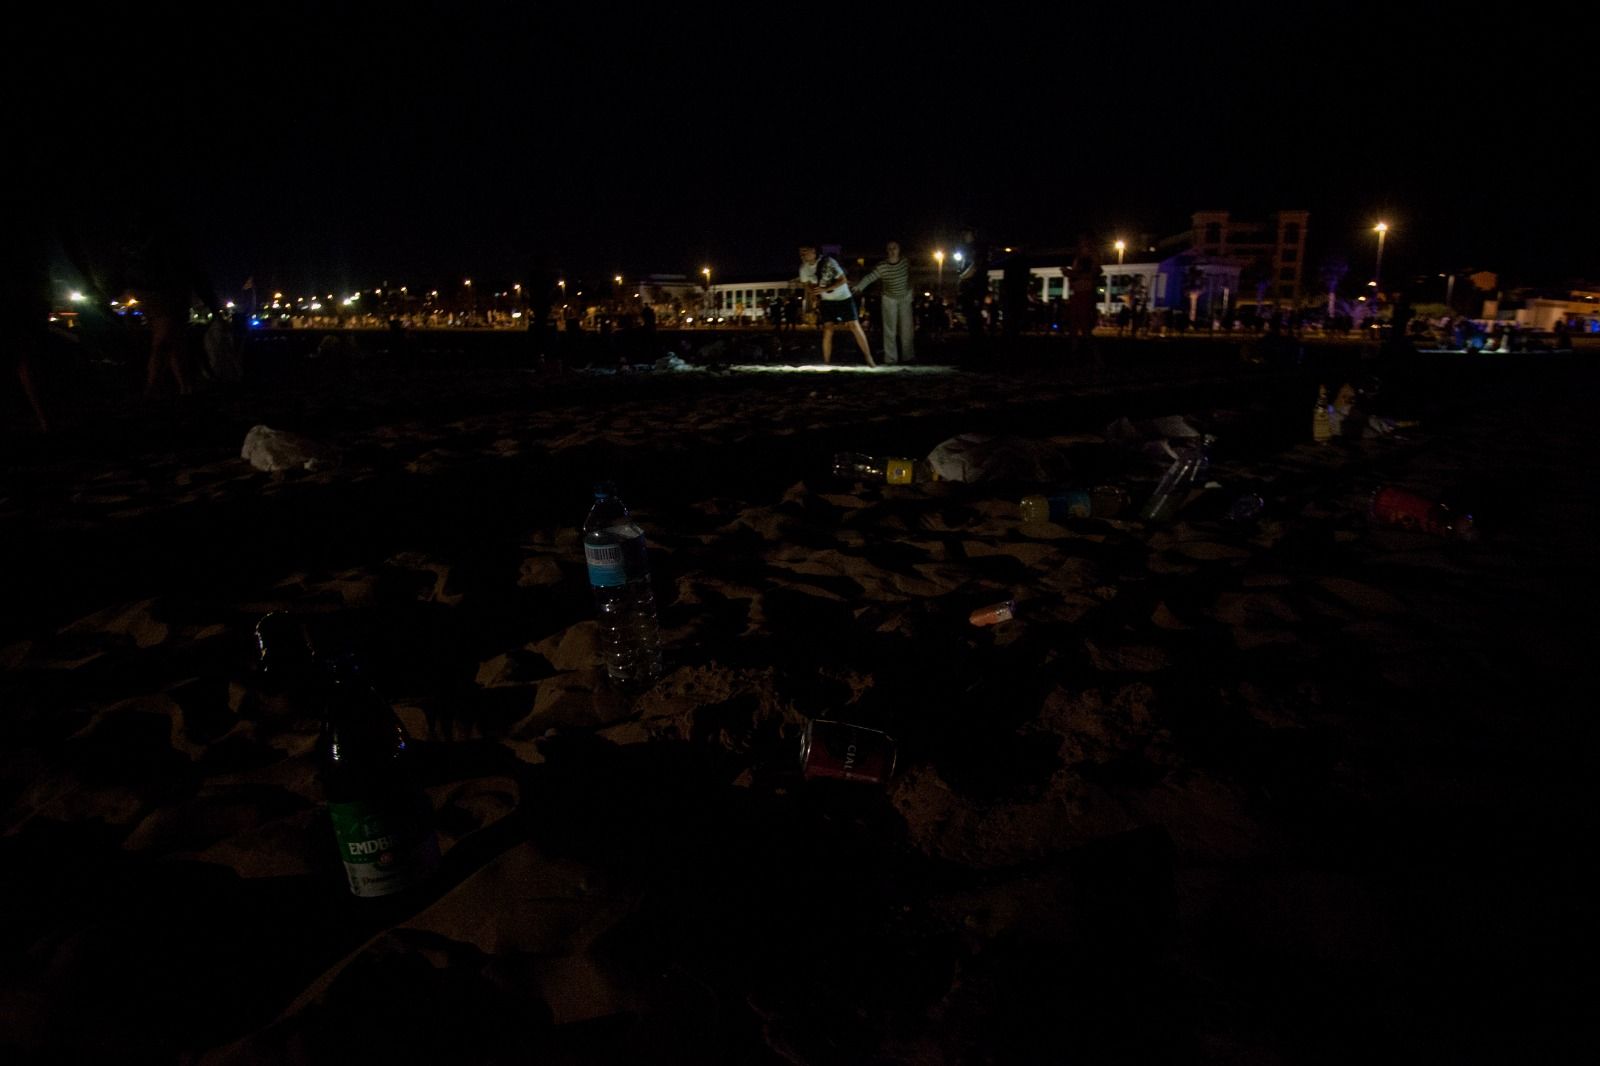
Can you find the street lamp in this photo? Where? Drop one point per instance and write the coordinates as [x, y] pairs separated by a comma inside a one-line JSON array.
[[938, 257], [1120, 246], [1380, 229]]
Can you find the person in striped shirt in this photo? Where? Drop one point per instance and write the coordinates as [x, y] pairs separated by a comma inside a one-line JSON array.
[[894, 273]]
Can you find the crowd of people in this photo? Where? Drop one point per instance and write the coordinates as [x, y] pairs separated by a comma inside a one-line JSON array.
[[882, 313]]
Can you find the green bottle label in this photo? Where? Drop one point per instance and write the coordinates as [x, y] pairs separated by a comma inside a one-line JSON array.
[[385, 847]]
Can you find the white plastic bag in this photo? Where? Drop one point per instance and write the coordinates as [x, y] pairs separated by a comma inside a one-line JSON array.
[[273, 450]]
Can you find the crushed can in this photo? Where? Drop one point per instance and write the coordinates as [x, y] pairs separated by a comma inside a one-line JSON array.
[[846, 752]]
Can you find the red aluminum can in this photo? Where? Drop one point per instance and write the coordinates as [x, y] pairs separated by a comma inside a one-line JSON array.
[[847, 752]]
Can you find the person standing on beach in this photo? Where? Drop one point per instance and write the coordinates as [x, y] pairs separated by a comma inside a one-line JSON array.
[[1014, 283], [835, 305], [972, 285], [1083, 273], [165, 278], [899, 325]]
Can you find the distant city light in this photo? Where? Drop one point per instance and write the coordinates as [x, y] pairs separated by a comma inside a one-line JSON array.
[[1382, 227], [277, 296], [229, 305], [316, 307], [468, 283], [76, 297]]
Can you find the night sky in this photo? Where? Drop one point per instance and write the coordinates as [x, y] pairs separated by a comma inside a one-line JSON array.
[[305, 150]]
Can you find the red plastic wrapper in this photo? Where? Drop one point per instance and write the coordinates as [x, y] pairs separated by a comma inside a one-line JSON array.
[[847, 752], [1398, 507], [994, 614]]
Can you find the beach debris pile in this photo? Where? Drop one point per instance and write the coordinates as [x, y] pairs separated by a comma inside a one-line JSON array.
[[275, 451]]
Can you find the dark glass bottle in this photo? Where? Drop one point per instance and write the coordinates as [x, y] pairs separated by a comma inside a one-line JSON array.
[[289, 680], [382, 820]]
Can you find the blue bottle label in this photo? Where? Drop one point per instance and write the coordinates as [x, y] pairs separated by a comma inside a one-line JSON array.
[[611, 565]]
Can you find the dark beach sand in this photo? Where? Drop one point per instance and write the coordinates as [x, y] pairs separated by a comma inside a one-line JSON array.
[[1307, 791]]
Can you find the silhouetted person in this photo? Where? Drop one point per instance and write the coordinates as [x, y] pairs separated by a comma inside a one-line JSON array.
[[972, 285], [1083, 274], [537, 298], [1014, 290], [164, 277], [25, 304]]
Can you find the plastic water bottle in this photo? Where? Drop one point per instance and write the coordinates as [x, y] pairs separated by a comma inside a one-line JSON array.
[[619, 573], [1321, 424], [1180, 478], [1102, 501]]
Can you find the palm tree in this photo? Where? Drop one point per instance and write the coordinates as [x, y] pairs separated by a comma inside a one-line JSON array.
[[1334, 268]]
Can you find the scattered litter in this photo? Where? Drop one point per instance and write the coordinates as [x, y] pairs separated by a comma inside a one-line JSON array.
[[274, 450], [975, 457], [671, 362], [844, 751], [1247, 508], [1181, 478], [1102, 501], [1152, 436], [994, 614], [1392, 506]]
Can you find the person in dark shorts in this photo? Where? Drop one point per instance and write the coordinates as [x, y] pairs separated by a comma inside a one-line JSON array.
[[836, 307]]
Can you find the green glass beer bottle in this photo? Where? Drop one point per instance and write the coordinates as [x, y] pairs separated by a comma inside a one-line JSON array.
[[382, 819]]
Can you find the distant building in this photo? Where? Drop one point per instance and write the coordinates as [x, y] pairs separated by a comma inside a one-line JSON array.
[[746, 299], [1271, 254], [1578, 309], [1160, 284]]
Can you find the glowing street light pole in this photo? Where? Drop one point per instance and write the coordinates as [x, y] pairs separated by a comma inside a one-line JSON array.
[[1121, 246], [938, 257], [1381, 229], [705, 307]]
